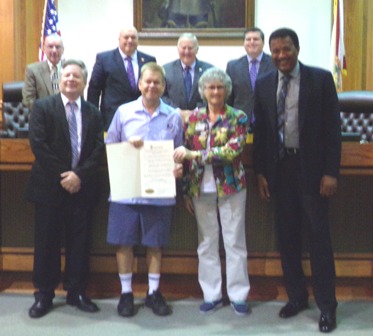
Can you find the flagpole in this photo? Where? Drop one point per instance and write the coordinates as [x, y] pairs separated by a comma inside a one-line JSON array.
[[42, 31]]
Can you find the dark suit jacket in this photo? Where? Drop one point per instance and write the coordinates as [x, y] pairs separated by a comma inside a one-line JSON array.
[[175, 94], [109, 82], [242, 96], [319, 127], [50, 142], [38, 83]]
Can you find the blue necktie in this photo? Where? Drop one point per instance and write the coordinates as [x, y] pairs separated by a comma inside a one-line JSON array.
[[73, 129], [188, 82], [281, 114], [131, 73], [253, 73]]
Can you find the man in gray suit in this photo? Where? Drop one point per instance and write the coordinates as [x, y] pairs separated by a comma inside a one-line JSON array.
[[242, 96], [42, 78], [177, 90]]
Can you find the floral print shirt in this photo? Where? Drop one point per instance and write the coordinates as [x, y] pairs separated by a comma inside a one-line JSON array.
[[227, 140]]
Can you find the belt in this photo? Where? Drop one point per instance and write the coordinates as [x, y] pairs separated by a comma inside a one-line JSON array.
[[291, 151]]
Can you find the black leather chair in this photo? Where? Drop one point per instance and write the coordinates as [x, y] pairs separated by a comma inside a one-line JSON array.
[[357, 114], [15, 114]]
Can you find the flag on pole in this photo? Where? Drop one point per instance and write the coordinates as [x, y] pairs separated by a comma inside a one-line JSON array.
[[49, 25], [337, 48]]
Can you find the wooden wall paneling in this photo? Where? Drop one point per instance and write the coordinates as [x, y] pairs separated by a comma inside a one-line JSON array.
[[369, 46], [7, 40], [353, 39]]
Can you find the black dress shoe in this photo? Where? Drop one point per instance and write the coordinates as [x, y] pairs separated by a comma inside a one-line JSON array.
[[82, 302], [327, 322], [126, 306], [292, 308], [158, 304], [40, 308]]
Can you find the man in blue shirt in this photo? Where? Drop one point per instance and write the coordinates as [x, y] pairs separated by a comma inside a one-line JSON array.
[[143, 220]]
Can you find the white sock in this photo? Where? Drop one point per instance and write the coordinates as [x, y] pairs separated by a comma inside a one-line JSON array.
[[153, 280], [126, 282]]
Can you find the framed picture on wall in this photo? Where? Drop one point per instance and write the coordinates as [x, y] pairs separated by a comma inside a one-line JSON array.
[[205, 18]]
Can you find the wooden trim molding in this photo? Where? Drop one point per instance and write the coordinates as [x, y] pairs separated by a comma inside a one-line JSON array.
[[359, 265]]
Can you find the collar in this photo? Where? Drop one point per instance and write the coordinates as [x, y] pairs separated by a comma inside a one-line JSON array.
[[133, 56], [293, 73], [50, 65], [259, 58], [191, 66], [65, 100]]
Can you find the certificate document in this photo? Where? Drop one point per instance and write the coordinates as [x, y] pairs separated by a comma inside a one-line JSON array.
[[141, 172]]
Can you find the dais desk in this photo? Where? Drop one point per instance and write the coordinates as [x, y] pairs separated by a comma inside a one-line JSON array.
[[351, 220]]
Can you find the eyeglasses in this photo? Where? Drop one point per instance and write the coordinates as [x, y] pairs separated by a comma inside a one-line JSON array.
[[215, 87], [51, 46]]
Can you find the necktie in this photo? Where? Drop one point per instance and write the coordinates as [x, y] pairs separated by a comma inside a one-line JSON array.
[[54, 78], [281, 114], [188, 82], [131, 73], [253, 73], [73, 129]]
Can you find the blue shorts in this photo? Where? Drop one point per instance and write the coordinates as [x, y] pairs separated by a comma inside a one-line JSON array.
[[132, 224]]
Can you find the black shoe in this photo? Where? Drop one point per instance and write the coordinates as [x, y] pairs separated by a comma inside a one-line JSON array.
[[327, 322], [82, 302], [40, 308], [125, 306], [158, 304], [292, 308]]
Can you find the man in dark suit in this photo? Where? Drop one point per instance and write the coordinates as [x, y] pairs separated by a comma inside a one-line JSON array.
[[112, 77], [297, 151], [42, 78], [177, 94], [66, 137], [242, 96]]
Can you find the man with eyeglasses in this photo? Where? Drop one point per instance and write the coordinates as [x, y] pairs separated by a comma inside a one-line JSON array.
[[42, 78]]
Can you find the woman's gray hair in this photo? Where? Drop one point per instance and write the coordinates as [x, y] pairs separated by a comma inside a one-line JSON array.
[[212, 75]]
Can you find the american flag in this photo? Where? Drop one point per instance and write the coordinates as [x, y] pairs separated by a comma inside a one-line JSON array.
[[49, 25], [338, 65]]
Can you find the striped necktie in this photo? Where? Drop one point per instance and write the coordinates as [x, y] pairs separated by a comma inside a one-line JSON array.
[[55, 81], [281, 114], [253, 73], [73, 129]]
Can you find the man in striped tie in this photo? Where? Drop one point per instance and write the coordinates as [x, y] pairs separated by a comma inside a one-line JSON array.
[[66, 137], [42, 78]]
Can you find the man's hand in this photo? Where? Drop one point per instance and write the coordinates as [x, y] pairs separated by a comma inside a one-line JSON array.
[[263, 188], [136, 141], [70, 182], [328, 186]]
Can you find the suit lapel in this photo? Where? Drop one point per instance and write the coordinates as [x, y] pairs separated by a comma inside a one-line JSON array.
[[121, 68], [85, 122], [272, 99], [46, 77], [61, 114], [198, 71], [179, 78], [303, 95], [244, 68]]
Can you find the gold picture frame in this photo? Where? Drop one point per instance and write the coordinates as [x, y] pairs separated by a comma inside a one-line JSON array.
[[160, 19]]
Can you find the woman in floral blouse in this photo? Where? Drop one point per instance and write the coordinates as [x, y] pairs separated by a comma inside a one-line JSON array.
[[214, 188]]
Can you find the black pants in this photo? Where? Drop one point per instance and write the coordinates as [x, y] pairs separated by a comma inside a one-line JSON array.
[[294, 209], [51, 223]]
